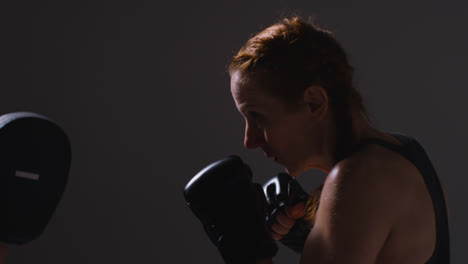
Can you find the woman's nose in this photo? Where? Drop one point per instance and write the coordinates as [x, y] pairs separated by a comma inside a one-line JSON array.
[[253, 137]]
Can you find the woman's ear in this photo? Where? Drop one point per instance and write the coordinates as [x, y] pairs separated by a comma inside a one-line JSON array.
[[316, 100]]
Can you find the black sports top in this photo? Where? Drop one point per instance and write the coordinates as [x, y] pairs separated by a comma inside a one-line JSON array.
[[414, 152]]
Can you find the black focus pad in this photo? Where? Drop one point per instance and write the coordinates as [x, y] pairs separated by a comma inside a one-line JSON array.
[[35, 156]]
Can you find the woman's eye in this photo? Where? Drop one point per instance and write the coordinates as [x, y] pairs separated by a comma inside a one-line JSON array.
[[257, 119]]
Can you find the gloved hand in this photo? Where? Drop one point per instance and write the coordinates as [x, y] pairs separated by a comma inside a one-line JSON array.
[[232, 210], [283, 193]]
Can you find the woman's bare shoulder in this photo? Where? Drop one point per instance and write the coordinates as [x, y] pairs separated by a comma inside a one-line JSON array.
[[359, 204]]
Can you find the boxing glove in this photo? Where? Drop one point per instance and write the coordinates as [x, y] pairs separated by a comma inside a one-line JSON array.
[[281, 191], [232, 210]]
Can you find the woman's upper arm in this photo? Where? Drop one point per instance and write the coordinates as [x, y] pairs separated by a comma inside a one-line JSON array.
[[356, 213]]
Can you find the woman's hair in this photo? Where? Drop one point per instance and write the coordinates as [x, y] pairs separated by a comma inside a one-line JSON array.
[[294, 54]]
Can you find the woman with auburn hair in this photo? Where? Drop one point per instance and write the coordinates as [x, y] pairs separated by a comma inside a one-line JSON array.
[[381, 201]]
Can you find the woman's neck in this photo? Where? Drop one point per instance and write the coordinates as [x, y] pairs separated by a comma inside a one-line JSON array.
[[358, 129], [331, 150], [363, 129]]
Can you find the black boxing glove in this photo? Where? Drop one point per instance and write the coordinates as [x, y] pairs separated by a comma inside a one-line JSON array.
[[232, 210], [281, 191]]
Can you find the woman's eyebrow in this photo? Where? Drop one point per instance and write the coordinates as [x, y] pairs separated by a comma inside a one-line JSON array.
[[246, 106]]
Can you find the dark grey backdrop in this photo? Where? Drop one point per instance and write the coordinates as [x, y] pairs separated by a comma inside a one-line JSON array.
[[142, 90]]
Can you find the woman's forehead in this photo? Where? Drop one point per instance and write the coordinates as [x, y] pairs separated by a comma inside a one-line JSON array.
[[246, 88], [250, 83], [249, 93]]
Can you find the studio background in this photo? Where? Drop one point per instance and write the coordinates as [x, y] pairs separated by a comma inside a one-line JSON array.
[[142, 90]]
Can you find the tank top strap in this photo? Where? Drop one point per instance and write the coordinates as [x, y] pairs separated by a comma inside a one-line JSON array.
[[401, 149], [413, 151]]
